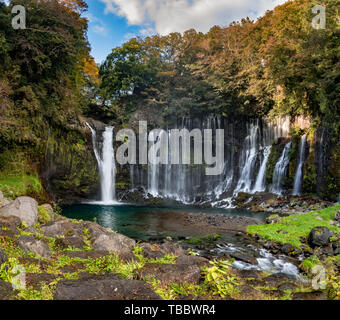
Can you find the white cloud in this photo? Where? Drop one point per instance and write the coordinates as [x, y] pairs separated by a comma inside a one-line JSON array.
[[179, 15], [100, 30]]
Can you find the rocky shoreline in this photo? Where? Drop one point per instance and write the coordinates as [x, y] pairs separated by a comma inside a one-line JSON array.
[[65, 259]]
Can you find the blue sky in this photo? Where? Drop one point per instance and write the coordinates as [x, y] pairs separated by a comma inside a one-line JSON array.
[[106, 31], [112, 22]]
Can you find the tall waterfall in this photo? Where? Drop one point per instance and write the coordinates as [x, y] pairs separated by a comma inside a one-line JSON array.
[[248, 158], [281, 170], [260, 184], [298, 174], [106, 165]]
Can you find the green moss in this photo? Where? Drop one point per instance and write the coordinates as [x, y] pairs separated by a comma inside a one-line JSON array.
[[292, 228], [308, 264], [22, 185], [43, 215]]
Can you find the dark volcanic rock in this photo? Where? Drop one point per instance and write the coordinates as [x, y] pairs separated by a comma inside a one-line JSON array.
[[29, 243], [3, 257], [70, 241], [114, 242], [192, 260], [104, 288], [336, 248], [61, 228], [152, 251], [6, 290], [249, 274], [243, 257], [171, 273], [95, 229], [36, 280], [173, 248], [319, 237], [316, 295], [289, 249], [275, 280], [287, 286]]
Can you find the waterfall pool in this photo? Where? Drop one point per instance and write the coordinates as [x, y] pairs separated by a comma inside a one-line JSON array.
[[145, 222]]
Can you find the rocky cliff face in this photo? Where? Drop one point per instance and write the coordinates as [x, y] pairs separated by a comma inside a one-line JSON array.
[[70, 168]]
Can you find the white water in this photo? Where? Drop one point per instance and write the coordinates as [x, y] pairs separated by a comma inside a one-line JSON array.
[[265, 262], [106, 165], [245, 159], [281, 170], [298, 174], [249, 158], [260, 185]]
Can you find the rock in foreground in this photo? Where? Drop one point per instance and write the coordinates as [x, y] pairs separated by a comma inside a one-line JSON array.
[[107, 288], [25, 208]]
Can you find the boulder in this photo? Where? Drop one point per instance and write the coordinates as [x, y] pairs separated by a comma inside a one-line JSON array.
[[319, 237], [61, 228], [247, 258], [104, 288], [70, 241], [173, 248], [152, 251], [192, 260], [25, 208], [37, 280], [289, 249], [171, 273], [115, 243], [95, 229], [38, 247], [52, 229], [3, 257]]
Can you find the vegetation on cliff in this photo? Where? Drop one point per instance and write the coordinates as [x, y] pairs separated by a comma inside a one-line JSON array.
[[45, 75]]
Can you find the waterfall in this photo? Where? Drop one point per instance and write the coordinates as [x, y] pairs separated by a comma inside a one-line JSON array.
[[248, 156], [247, 148], [281, 170], [106, 165], [298, 174], [260, 184], [153, 174]]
